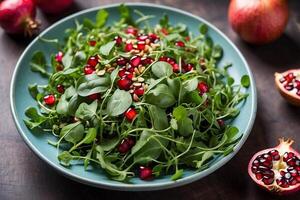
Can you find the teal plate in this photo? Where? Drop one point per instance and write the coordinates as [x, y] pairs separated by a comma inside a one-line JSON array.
[[20, 98]]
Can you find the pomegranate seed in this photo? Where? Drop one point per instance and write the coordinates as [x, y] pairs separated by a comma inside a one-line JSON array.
[[163, 58], [180, 44], [145, 173], [275, 154], [291, 162], [188, 67], [258, 176], [122, 61], [92, 43], [130, 114], [165, 31], [88, 70], [139, 91], [268, 173], [123, 146], [131, 141], [60, 88], [254, 169], [135, 61], [142, 37], [293, 181], [298, 93], [128, 47], [153, 37], [289, 87], [268, 181], [124, 83], [92, 61], [171, 61], [59, 67], [287, 156], [49, 99], [268, 157], [297, 84], [118, 40], [147, 61], [121, 72], [203, 87], [221, 122], [255, 163], [131, 30], [94, 96], [59, 57], [175, 68], [141, 45], [289, 77], [187, 38], [129, 75]]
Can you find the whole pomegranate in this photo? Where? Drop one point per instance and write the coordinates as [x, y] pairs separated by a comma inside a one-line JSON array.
[[53, 6], [18, 16], [288, 84], [277, 169], [258, 21]]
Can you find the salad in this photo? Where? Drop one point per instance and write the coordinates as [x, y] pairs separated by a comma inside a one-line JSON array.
[[136, 100]]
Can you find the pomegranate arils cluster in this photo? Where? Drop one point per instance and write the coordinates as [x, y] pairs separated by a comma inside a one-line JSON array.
[[290, 82], [125, 145]]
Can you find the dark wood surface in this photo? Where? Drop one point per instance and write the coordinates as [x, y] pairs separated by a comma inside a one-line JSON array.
[[24, 176]]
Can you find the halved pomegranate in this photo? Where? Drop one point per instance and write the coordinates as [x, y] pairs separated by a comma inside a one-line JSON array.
[[277, 169], [288, 84]]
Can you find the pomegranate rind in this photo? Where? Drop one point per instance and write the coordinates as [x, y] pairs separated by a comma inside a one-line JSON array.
[[289, 96], [284, 146]]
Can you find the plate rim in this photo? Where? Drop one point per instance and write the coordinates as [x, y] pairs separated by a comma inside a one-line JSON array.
[[126, 186]]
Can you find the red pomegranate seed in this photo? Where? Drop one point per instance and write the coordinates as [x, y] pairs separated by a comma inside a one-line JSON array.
[[130, 114], [187, 38], [254, 169], [165, 31], [92, 43], [145, 173], [175, 67], [94, 96], [121, 72], [289, 77], [289, 86], [135, 61], [118, 40], [275, 154], [60, 88], [141, 45], [268, 181], [124, 83], [171, 61], [221, 122], [147, 61], [59, 67], [122, 61], [59, 57], [129, 75], [131, 141], [139, 91], [92, 61], [128, 47], [124, 146], [287, 156], [153, 37], [131, 30], [297, 84], [203, 87], [298, 93], [49, 99], [180, 44], [142, 37], [188, 67], [258, 176], [88, 70], [255, 163], [163, 58]]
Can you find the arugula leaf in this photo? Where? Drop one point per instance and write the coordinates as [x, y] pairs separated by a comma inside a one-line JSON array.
[[159, 118], [73, 132], [125, 15], [107, 48], [35, 119], [160, 96], [164, 21], [245, 81], [33, 90], [38, 63], [92, 84], [161, 69], [85, 111], [101, 18]]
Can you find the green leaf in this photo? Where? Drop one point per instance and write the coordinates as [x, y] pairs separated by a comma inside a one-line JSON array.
[[35, 119], [203, 29], [173, 124], [190, 85], [119, 102], [217, 51], [107, 48], [101, 18], [172, 37], [38, 63], [73, 132], [193, 97], [87, 23], [158, 117], [231, 133], [67, 59], [109, 144], [174, 86], [91, 84], [178, 175], [90, 136], [161, 69], [206, 156], [65, 158], [179, 113], [164, 21], [185, 126], [230, 81], [33, 90], [85, 111], [160, 96], [125, 14], [245, 81], [62, 107]]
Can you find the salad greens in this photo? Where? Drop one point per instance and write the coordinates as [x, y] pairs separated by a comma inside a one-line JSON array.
[[127, 95]]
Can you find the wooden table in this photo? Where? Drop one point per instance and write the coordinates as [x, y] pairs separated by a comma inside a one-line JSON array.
[[24, 176]]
